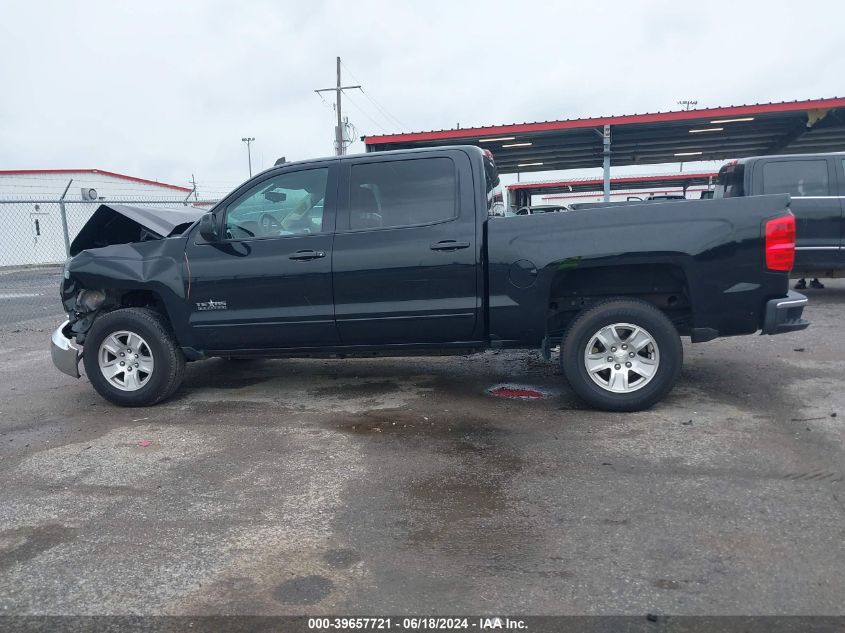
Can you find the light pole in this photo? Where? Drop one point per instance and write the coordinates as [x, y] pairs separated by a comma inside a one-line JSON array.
[[248, 140]]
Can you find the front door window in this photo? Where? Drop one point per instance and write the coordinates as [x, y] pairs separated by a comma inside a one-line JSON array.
[[287, 204]]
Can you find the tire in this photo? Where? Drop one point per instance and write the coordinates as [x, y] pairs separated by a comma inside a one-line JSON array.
[[609, 384], [158, 350]]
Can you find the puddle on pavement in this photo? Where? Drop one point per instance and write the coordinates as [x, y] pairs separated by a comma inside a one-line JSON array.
[[393, 421], [516, 392]]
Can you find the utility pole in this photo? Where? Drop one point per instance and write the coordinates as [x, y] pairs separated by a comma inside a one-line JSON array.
[[194, 183], [687, 103], [340, 150], [248, 140]]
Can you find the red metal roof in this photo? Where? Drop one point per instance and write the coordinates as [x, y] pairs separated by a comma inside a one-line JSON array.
[[719, 133], [649, 117], [102, 172]]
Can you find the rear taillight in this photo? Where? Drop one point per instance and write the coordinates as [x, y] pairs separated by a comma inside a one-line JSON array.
[[780, 243]]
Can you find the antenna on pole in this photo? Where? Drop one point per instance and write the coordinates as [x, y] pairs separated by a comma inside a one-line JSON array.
[[248, 140], [340, 145]]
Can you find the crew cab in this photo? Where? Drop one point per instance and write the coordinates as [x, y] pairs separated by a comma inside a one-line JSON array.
[[816, 184], [397, 253]]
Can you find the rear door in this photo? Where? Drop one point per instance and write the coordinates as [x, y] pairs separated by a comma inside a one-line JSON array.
[[406, 250], [811, 182]]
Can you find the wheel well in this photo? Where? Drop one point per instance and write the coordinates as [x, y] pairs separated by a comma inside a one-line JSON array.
[[663, 285], [140, 299], [116, 299]]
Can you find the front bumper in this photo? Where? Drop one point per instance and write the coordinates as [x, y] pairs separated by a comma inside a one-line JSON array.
[[784, 315], [65, 352]]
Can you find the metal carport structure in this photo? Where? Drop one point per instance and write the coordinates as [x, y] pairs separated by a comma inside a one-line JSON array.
[[519, 193], [812, 125]]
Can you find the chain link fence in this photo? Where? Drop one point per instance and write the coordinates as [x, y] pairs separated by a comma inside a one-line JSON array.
[[34, 239]]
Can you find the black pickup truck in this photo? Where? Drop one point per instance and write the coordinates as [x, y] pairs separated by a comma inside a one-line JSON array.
[[397, 253], [816, 185]]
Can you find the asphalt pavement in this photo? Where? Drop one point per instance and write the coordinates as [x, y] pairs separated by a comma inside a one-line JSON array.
[[28, 294], [399, 486]]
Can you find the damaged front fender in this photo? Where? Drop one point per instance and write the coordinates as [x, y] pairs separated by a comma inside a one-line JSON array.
[[123, 247], [122, 253], [155, 265]]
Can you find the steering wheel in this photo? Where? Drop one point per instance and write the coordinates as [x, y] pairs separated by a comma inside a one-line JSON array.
[[269, 223]]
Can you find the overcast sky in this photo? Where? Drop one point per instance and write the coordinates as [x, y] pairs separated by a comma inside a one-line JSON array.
[[165, 89]]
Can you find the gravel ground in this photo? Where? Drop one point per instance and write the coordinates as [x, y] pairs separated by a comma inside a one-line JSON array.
[[398, 486]]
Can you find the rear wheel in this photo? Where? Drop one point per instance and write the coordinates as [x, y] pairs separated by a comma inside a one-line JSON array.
[[131, 357], [621, 355]]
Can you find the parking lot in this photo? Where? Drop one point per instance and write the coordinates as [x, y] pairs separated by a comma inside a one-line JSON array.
[[30, 293], [398, 486]]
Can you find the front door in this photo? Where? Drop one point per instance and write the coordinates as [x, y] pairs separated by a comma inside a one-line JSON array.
[[406, 253], [267, 283]]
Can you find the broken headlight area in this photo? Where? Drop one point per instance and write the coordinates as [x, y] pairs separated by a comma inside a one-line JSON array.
[[82, 306], [90, 300]]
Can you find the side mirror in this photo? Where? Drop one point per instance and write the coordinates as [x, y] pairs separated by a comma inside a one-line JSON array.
[[208, 227]]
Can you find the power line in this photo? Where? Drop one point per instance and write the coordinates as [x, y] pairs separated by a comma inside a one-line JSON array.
[[362, 111], [388, 115]]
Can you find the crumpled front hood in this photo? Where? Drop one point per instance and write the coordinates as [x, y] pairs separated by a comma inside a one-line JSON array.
[[123, 224]]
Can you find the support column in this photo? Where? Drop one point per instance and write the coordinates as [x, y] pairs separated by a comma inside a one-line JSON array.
[[63, 214], [606, 162], [512, 194]]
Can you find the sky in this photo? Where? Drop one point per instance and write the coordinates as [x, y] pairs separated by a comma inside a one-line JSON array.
[[164, 90]]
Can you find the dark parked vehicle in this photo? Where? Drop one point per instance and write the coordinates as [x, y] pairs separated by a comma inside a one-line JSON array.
[[396, 253], [816, 184]]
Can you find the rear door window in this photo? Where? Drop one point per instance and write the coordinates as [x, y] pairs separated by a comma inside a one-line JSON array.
[[799, 178], [398, 193]]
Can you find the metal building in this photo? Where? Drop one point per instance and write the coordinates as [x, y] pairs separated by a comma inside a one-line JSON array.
[[35, 227], [85, 184]]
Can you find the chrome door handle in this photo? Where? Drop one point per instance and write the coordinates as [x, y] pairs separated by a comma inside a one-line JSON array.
[[449, 245], [306, 255]]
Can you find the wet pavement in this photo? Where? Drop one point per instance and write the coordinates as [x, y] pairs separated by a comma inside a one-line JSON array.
[[401, 486]]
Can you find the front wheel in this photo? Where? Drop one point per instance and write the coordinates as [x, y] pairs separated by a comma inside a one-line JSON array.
[[131, 357], [621, 355]]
